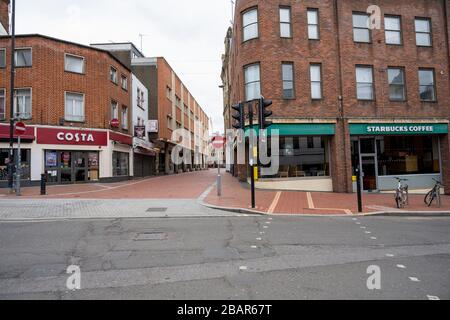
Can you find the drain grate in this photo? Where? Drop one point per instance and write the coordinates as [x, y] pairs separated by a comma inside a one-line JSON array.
[[156, 209], [152, 236]]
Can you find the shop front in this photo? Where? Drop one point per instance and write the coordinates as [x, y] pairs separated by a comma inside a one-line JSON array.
[[27, 141], [386, 151], [304, 157], [70, 155]]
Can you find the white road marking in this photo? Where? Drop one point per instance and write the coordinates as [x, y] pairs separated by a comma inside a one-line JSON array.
[[368, 232], [363, 227], [262, 232], [274, 204], [390, 255], [270, 219], [243, 268], [400, 266], [254, 247], [310, 200], [414, 279], [373, 238], [259, 239], [358, 223], [268, 222], [433, 298], [266, 227], [355, 219]]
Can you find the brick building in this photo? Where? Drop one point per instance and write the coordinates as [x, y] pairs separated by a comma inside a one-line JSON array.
[[65, 92], [170, 105], [348, 91]]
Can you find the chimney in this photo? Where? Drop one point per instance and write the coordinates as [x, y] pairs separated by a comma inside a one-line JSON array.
[[4, 17]]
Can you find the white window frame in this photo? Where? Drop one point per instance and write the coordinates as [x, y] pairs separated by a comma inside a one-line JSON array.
[[289, 23], [110, 75], [66, 116], [251, 82], [114, 111], [74, 56], [124, 84], [317, 25], [3, 115], [284, 81], [433, 73], [15, 56], [403, 85], [371, 83], [369, 40], [399, 31], [31, 103], [253, 23], [311, 66], [430, 33], [4, 62], [124, 119]]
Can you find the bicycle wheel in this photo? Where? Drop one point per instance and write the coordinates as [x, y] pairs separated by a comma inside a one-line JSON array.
[[429, 198]]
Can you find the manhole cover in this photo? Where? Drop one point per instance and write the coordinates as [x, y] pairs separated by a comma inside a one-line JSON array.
[[151, 236], [156, 209]]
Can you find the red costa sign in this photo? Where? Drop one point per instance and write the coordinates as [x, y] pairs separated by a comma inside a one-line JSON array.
[[71, 137]]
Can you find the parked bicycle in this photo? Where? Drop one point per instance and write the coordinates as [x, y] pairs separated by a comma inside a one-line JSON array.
[[402, 193], [434, 194]]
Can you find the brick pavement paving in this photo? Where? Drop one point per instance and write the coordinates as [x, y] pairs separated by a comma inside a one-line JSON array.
[[198, 186]]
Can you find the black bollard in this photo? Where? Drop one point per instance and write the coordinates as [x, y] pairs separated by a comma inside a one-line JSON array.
[[43, 184]]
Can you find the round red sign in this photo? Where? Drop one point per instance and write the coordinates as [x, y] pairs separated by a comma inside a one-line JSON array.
[[218, 142], [20, 128], [115, 123]]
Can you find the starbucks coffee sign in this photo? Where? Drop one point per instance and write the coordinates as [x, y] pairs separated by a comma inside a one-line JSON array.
[[398, 129]]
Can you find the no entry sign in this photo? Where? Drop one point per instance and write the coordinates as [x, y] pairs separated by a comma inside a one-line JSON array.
[[218, 142], [20, 128]]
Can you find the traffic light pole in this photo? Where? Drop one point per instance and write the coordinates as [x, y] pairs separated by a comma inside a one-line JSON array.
[[251, 155], [11, 107]]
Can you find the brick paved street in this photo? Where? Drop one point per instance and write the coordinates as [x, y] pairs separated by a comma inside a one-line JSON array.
[[199, 187]]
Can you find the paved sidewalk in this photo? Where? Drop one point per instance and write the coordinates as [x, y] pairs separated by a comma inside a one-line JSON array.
[[238, 196]]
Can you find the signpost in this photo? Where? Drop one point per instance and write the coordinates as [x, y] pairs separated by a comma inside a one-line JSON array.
[[19, 129], [218, 143]]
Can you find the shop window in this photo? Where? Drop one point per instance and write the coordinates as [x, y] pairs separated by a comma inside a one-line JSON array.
[[302, 156], [408, 155], [120, 164], [25, 155]]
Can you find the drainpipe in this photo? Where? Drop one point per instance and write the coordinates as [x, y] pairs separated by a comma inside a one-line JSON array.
[[342, 117]]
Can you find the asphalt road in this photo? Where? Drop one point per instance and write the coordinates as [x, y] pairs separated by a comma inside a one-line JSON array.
[[218, 257]]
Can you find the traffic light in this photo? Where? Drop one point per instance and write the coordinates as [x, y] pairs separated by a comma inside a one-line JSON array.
[[239, 116], [264, 113]]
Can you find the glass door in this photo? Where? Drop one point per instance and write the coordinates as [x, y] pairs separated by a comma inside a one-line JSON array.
[[369, 173], [65, 167], [368, 163], [80, 166]]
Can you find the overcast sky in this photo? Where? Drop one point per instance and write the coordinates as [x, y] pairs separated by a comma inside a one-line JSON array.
[[189, 34]]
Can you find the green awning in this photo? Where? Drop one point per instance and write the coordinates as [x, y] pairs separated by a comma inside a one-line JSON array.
[[398, 128], [300, 129]]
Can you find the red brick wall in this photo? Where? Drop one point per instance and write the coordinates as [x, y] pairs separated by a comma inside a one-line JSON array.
[[4, 14], [49, 82], [339, 55]]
